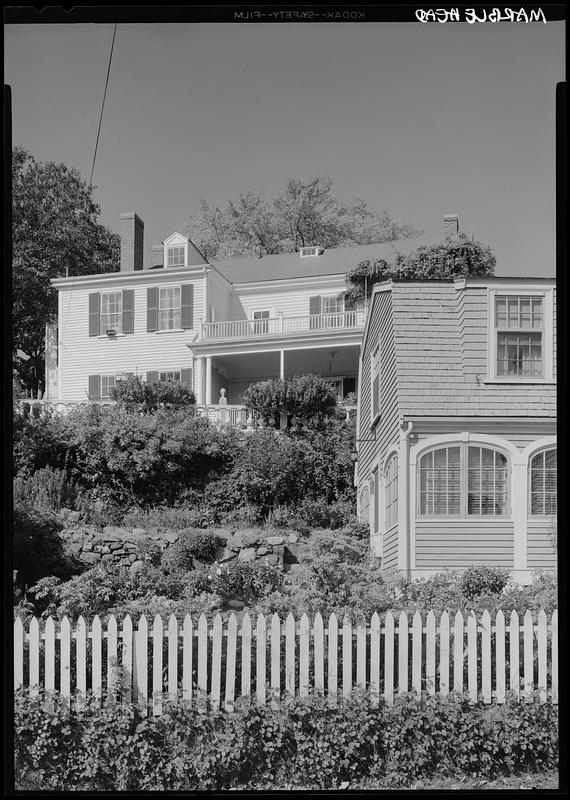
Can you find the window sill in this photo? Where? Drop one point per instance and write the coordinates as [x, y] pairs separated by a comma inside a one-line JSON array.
[[113, 336], [171, 330], [522, 381]]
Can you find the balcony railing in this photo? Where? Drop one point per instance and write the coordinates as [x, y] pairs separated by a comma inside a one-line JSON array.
[[281, 326]]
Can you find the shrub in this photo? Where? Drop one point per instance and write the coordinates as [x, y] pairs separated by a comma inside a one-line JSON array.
[[304, 396], [483, 580], [46, 488], [304, 743], [38, 549], [134, 394], [245, 580], [193, 544]]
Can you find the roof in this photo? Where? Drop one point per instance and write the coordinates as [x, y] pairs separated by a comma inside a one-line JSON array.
[[333, 261]]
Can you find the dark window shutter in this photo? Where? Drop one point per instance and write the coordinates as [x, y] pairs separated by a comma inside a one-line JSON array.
[[152, 377], [94, 387], [314, 308], [186, 377], [187, 306], [94, 314], [152, 308], [128, 311]]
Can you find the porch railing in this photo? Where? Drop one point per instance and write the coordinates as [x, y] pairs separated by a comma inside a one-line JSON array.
[[282, 325]]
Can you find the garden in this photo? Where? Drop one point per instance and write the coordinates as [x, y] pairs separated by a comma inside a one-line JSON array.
[[224, 521]]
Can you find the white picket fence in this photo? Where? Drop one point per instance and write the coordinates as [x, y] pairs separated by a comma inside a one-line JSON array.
[[217, 662]]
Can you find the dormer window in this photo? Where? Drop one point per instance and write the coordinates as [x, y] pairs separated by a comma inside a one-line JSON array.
[[306, 252], [175, 256]]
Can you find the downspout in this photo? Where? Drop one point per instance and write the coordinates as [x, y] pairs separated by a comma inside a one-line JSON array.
[[404, 538]]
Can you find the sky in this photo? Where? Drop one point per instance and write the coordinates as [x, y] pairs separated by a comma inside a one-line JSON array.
[[418, 120]]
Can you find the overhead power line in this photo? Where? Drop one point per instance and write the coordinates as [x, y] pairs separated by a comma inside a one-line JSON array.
[[103, 104]]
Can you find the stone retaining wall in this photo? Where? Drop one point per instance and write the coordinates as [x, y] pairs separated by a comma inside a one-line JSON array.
[[121, 546]]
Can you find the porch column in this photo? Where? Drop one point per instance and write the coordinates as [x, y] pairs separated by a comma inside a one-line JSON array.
[[282, 364], [208, 380], [199, 379]]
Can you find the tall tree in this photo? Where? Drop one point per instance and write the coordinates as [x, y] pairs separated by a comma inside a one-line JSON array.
[[455, 256], [307, 212], [55, 231]]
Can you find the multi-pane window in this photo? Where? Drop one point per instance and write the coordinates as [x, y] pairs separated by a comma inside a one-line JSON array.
[[111, 311], [169, 308], [175, 256], [463, 480], [261, 321], [519, 326], [107, 383], [391, 491], [169, 375], [543, 483], [331, 309]]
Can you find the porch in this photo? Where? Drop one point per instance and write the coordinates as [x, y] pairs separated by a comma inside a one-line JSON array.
[[236, 370]]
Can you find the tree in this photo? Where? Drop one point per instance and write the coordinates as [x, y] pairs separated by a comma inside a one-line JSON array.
[[456, 256], [54, 232], [305, 213]]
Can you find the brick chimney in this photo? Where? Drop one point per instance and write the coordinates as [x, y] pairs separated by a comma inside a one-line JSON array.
[[450, 225], [132, 242]]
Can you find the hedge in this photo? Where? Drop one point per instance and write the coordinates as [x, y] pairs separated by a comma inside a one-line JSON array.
[[303, 743]]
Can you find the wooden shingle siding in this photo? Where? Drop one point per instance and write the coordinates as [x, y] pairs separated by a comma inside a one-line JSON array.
[[390, 548], [541, 552], [459, 543]]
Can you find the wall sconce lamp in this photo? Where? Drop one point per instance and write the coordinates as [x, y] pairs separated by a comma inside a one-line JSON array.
[[354, 450]]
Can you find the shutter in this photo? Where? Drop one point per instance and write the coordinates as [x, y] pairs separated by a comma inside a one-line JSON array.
[[314, 308], [187, 306], [152, 377], [94, 387], [186, 377], [94, 314], [128, 311], [152, 308]]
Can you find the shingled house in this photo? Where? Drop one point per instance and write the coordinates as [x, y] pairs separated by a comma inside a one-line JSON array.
[[457, 426]]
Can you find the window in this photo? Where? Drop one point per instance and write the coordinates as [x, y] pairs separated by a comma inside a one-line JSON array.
[[463, 480], [391, 491], [261, 321], [111, 311], [305, 252], [107, 383], [331, 309], [519, 330], [175, 256], [543, 483], [169, 375], [169, 308]]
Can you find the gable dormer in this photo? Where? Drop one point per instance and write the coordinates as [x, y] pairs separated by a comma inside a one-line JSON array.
[[179, 251]]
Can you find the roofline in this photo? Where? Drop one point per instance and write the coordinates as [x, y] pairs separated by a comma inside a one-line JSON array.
[[131, 275]]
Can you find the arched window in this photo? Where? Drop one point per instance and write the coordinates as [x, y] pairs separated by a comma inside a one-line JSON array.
[[391, 491], [463, 480], [543, 483], [364, 504]]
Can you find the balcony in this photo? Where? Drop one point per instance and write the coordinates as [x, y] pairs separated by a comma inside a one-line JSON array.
[[282, 326]]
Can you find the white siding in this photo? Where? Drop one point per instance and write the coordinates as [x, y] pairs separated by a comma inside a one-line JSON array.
[[292, 302], [82, 355], [461, 543], [541, 537]]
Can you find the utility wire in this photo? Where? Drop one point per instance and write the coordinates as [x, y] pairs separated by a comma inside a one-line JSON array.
[[103, 104]]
